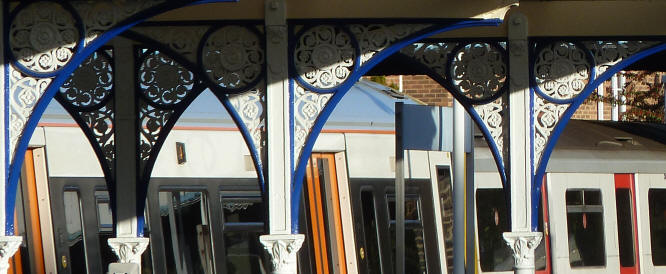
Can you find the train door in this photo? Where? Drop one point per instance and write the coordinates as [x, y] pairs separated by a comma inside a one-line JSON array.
[[32, 218], [651, 225], [373, 203], [583, 227], [325, 243], [492, 220], [206, 225], [81, 239]]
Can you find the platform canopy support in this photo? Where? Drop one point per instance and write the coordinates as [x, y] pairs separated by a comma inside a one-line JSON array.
[[280, 243], [521, 239]]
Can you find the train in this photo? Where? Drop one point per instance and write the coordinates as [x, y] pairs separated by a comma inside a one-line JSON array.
[[603, 206]]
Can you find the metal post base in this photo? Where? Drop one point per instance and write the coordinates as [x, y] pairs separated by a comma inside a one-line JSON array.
[[523, 245], [8, 246], [129, 249], [283, 250]]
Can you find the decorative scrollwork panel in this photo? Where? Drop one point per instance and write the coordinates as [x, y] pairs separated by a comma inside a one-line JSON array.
[[609, 53], [43, 36], [562, 70], [24, 93], [433, 55], [152, 121], [493, 116], [307, 107], [250, 107], [180, 39], [325, 56], [546, 117], [233, 57], [100, 16], [377, 37], [91, 83], [100, 124], [478, 71], [164, 87], [163, 81], [88, 95]]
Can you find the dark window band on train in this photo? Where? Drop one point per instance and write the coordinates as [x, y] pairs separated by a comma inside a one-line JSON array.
[[585, 225], [657, 202]]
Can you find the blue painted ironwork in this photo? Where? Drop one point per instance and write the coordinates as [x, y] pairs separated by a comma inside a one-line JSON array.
[[445, 79], [541, 163], [63, 72], [340, 91]]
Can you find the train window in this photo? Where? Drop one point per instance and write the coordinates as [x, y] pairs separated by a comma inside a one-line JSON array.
[[243, 224], [495, 254], [105, 228], [657, 202], [74, 232], [104, 217], [415, 259], [446, 203], [625, 226], [187, 238], [371, 251], [585, 226]]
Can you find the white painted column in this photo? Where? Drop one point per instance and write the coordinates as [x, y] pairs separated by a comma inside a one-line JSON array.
[[127, 246], [470, 197], [621, 90], [280, 243], [600, 103], [9, 244], [521, 240], [615, 91], [458, 164]]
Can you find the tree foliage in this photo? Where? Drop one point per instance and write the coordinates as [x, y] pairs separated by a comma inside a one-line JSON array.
[[644, 97]]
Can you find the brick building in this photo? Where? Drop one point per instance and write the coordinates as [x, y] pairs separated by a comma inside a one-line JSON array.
[[422, 88]]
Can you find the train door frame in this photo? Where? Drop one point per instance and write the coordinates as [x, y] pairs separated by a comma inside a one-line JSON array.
[[382, 189], [484, 180], [643, 184], [214, 190], [85, 187], [324, 214], [626, 181], [557, 187], [36, 206], [439, 160]]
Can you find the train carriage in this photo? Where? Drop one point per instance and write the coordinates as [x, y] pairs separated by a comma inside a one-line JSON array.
[[603, 208]]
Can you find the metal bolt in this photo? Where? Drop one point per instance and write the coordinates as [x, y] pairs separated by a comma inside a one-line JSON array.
[[517, 21]]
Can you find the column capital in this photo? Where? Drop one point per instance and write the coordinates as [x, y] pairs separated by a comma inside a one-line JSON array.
[[283, 249], [523, 245], [129, 249], [8, 246]]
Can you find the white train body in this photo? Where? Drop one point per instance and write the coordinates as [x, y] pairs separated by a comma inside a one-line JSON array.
[[218, 161]]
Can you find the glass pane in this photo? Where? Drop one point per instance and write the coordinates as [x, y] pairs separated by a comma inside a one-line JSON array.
[[243, 224], [104, 215], [446, 203], [244, 253], [187, 240], [625, 226], [586, 230], [370, 252], [415, 259], [657, 202], [411, 208], [243, 210], [77, 253], [492, 221]]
